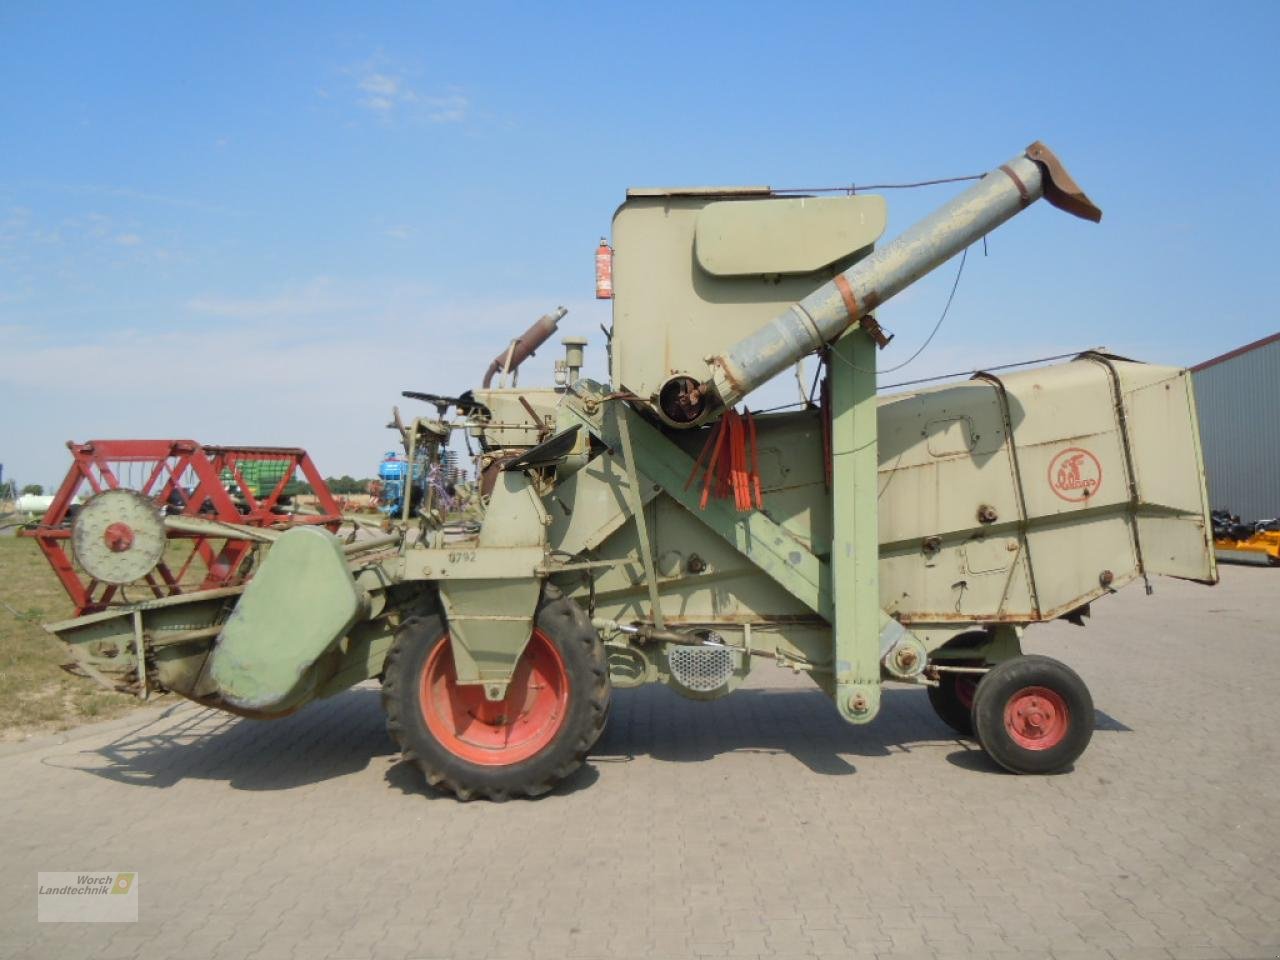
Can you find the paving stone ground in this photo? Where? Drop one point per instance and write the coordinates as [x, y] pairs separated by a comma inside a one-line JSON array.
[[755, 826]]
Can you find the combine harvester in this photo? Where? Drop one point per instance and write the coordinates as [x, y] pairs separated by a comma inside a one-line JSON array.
[[644, 530]]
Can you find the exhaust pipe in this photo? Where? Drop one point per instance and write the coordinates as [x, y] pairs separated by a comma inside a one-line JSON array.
[[837, 305], [528, 342]]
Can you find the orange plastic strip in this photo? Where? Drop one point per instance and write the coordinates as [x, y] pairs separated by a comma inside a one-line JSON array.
[[755, 461]]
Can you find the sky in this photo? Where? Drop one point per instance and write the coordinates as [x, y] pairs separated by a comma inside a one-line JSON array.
[[247, 224]]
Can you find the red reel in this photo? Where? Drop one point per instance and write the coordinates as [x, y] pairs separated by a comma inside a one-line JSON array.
[[243, 486]]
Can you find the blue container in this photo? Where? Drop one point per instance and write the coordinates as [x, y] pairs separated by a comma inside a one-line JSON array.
[[391, 471]]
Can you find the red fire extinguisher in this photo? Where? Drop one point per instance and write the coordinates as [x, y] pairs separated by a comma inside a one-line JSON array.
[[604, 271]]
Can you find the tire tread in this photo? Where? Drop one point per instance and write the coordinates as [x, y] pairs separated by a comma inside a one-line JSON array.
[[577, 630]]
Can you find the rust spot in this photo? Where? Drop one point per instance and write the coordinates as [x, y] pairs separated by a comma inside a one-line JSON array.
[[489, 474], [846, 294], [951, 617], [541, 427], [1017, 182], [875, 331], [1059, 188]]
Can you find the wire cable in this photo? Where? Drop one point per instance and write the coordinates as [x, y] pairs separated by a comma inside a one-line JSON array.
[[800, 404], [928, 340], [853, 188], [969, 373]]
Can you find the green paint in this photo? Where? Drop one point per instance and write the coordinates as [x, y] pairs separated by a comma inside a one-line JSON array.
[[854, 538], [765, 543], [299, 604]]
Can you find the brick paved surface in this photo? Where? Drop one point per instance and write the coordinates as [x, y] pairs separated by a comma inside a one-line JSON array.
[[755, 826]]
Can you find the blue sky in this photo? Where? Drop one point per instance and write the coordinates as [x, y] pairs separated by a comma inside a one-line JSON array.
[[246, 225]]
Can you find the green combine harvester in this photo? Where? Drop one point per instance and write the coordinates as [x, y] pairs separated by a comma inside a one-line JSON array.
[[643, 529], [261, 477]]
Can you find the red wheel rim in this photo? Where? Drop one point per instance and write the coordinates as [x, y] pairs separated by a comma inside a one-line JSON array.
[[496, 733], [1037, 718]]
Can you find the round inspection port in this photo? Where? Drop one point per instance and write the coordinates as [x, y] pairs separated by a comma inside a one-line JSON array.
[[682, 400]]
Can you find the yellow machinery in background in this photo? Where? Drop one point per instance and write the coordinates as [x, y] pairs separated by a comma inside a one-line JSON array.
[[1257, 542]]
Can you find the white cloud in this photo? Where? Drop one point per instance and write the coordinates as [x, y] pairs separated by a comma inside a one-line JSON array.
[[447, 109], [129, 193], [128, 239], [381, 85], [96, 225], [387, 93], [315, 298], [381, 92], [327, 363], [398, 232]]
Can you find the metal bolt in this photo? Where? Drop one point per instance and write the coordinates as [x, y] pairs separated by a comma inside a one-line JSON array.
[[987, 514], [1106, 578], [906, 658], [858, 704], [695, 564]]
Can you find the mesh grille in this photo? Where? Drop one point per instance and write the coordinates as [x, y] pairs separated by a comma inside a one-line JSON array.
[[701, 669]]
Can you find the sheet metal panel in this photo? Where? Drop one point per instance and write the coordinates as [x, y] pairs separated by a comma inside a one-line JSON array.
[[1239, 404]]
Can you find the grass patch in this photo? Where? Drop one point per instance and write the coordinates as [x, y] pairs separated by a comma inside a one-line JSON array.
[[35, 695]]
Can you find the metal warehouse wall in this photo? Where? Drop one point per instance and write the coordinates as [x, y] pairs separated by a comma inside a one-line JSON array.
[[1239, 404]]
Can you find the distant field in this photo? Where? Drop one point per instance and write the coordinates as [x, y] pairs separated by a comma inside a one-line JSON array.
[[35, 695]]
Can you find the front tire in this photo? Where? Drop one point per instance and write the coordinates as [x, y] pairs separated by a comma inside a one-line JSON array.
[[554, 711], [1033, 714]]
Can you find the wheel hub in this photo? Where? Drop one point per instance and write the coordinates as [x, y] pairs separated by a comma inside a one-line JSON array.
[[118, 536], [501, 732], [1036, 718]]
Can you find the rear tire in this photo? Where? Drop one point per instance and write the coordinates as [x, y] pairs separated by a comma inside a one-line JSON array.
[[952, 699], [554, 711], [1033, 714]]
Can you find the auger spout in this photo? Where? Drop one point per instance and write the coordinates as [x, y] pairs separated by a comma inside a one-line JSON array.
[[826, 313]]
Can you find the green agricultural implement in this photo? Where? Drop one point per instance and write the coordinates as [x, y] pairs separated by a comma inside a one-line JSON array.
[[644, 530]]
